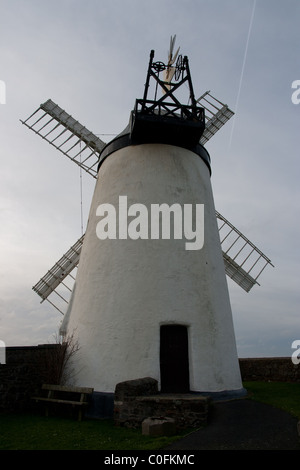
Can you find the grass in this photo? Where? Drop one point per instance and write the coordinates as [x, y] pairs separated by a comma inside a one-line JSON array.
[[37, 432], [283, 395]]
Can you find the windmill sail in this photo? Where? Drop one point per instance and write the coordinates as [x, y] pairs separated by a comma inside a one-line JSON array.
[[58, 274], [244, 262], [67, 135], [216, 115]]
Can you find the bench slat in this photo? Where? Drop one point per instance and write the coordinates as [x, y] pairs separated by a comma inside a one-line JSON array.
[[65, 388], [51, 388], [55, 400]]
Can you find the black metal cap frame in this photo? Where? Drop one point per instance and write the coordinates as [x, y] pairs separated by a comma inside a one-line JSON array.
[[165, 120]]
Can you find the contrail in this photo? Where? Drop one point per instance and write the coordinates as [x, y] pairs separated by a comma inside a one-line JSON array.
[[242, 72]]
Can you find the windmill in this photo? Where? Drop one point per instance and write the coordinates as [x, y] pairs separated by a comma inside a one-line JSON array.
[[148, 307]]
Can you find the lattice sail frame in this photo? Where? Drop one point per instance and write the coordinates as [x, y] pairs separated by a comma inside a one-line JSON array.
[[60, 275], [67, 135], [216, 115], [244, 262]]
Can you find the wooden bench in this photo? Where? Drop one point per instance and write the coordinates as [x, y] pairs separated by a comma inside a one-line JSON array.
[[64, 395]]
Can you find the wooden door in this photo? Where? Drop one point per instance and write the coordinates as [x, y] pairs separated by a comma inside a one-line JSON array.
[[174, 359]]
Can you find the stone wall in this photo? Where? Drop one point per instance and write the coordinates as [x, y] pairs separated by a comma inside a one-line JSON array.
[[137, 400], [26, 369], [276, 369]]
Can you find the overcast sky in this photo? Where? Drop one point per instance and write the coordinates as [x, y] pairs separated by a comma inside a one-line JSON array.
[[91, 58]]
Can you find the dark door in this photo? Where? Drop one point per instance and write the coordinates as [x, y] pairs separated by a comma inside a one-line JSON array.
[[174, 359]]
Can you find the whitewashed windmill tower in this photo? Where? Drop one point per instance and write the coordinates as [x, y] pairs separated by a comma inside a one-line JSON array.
[[150, 296]]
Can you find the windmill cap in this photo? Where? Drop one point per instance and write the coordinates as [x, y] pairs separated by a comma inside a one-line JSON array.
[[127, 138]]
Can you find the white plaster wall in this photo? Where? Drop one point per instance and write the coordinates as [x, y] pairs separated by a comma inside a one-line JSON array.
[[125, 289]]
